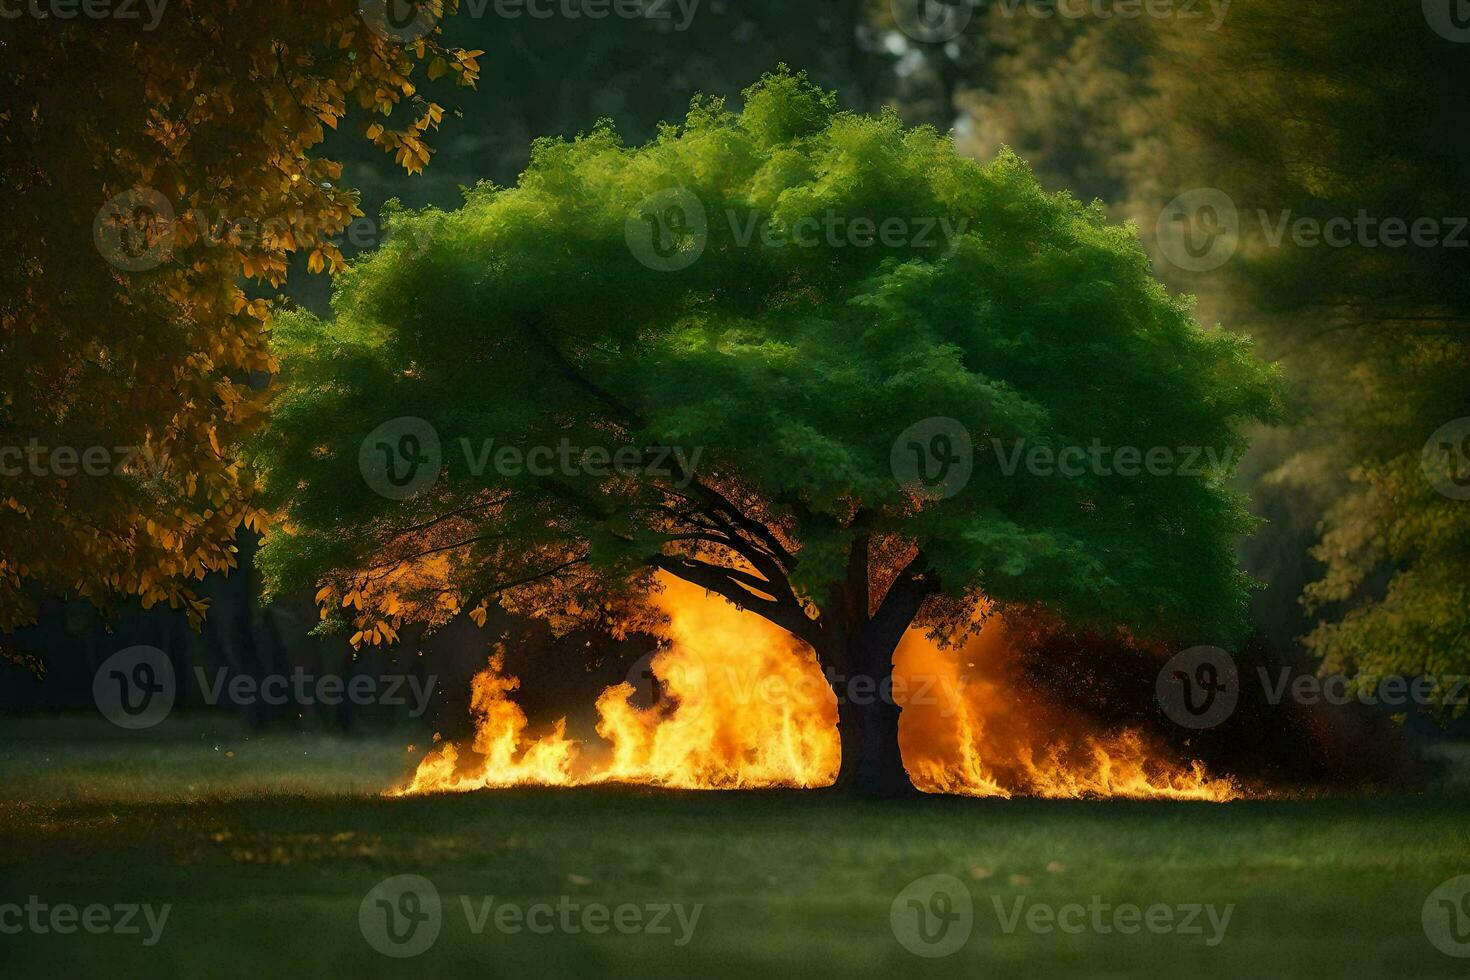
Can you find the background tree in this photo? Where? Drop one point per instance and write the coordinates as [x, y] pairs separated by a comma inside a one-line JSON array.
[[527, 318], [1343, 116], [168, 176]]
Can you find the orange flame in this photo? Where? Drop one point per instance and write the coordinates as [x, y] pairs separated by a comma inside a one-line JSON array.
[[978, 735], [748, 706]]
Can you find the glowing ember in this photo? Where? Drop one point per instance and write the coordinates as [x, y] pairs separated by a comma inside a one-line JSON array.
[[747, 706]]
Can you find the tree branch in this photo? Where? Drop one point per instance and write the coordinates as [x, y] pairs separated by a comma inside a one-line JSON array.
[[736, 586]]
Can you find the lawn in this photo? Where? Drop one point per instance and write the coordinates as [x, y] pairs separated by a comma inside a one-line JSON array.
[[266, 848]]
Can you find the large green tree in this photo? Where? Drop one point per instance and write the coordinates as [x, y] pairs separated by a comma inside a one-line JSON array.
[[617, 296]]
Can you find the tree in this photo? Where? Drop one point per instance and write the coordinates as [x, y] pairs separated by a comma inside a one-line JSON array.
[[169, 177], [813, 375], [1374, 321]]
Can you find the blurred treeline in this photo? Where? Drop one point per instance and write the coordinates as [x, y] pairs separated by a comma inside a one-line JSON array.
[[1302, 110]]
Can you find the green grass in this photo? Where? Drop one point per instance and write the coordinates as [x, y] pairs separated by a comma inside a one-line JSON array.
[[267, 855]]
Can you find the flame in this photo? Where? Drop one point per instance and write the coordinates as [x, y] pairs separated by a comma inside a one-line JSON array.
[[747, 706], [974, 733]]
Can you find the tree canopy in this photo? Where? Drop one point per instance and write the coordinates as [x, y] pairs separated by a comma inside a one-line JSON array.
[[526, 317]]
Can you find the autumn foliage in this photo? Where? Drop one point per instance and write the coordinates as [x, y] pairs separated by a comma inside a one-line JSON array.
[[204, 136]]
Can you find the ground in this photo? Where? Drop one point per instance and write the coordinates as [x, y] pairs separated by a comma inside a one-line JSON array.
[[266, 847]]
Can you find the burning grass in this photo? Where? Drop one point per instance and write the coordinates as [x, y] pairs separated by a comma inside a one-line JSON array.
[[746, 706]]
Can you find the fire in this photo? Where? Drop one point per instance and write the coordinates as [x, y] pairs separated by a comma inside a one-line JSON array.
[[747, 706], [975, 734]]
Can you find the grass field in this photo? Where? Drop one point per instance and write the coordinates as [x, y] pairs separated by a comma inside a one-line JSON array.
[[266, 848]]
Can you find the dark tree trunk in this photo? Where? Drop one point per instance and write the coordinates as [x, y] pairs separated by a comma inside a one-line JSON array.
[[859, 661], [867, 725]]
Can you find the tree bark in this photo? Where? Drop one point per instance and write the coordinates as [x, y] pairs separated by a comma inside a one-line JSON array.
[[860, 664], [867, 726]]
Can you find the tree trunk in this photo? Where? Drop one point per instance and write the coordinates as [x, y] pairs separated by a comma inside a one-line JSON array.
[[867, 725]]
